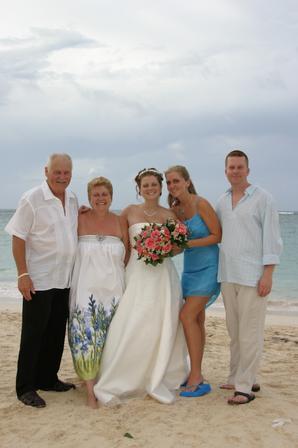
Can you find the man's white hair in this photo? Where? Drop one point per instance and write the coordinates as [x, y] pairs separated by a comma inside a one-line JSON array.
[[54, 156]]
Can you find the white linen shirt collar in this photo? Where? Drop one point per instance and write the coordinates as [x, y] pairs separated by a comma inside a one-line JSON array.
[[249, 191], [48, 194]]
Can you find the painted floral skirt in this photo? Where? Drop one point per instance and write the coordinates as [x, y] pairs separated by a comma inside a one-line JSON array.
[[96, 288], [87, 334]]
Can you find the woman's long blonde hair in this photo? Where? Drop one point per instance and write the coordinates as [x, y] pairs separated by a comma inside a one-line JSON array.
[[180, 169]]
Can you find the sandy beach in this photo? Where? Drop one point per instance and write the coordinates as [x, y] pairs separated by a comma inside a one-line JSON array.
[[203, 422]]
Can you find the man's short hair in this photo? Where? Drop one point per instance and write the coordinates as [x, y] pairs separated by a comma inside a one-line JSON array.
[[236, 153]]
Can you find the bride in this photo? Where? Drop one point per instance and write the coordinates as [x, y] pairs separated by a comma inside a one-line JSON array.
[[145, 351]]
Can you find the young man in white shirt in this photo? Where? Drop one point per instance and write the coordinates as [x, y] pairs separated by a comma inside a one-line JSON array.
[[249, 250], [44, 238]]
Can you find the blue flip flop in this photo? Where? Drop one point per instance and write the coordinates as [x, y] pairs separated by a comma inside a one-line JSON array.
[[200, 390]]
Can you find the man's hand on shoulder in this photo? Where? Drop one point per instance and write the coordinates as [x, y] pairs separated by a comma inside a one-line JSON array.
[[84, 209]]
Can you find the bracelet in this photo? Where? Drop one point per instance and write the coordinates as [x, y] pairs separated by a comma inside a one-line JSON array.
[[23, 275]]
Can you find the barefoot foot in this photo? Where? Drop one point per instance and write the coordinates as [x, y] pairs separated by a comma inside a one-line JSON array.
[[92, 402]]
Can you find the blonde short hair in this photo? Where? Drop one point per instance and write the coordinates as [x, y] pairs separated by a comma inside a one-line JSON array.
[[98, 182]]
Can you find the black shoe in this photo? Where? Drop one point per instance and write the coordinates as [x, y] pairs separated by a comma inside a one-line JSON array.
[[256, 387], [32, 399], [59, 386]]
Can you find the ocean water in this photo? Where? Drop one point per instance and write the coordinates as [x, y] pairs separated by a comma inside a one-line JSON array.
[[285, 286]]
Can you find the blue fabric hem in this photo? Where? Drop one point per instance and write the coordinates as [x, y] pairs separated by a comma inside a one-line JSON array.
[[212, 298]]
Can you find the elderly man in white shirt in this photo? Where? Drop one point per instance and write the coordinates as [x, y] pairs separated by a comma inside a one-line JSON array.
[[249, 250], [44, 238]]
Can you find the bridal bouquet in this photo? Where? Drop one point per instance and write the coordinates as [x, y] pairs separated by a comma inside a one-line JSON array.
[[153, 244], [155, 241], [178, 231]]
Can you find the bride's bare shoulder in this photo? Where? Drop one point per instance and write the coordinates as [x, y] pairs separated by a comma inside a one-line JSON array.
[[132, 208]]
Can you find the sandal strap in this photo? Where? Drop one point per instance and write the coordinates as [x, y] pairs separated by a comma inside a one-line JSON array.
[[243, 394]]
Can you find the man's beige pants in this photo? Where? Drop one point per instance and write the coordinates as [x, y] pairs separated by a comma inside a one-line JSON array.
[[245, 319]]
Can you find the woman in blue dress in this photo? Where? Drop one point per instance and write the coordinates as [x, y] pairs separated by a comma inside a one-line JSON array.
[[199, 277]]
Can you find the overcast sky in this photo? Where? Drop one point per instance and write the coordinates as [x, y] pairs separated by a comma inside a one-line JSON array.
[[123, 85]]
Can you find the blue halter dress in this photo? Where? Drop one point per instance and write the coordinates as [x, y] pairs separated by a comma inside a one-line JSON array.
[[199, 277]]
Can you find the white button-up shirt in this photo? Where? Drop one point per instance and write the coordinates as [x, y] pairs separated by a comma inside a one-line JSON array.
[[50, 234], [250, 236]]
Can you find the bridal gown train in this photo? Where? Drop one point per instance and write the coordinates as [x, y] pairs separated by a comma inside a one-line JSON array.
[[145, 350]]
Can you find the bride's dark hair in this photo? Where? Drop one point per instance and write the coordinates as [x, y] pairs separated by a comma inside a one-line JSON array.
[[147, 172]]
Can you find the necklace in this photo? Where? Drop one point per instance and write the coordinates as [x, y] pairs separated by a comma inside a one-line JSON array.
[[147, 213], [185, 208]]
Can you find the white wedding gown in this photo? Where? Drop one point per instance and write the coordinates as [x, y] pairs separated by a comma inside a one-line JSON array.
[[145, 350]]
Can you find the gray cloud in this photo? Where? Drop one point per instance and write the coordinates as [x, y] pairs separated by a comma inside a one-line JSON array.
[[155, 84], [24, 60]]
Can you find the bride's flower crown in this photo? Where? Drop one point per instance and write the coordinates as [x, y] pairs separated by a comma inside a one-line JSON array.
[[149, 170]]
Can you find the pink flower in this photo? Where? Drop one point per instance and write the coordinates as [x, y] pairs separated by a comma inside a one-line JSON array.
[[166, 232], [181, 228], [154, 243], [167, 248], [138, 244], [155, 234], [150, 243]]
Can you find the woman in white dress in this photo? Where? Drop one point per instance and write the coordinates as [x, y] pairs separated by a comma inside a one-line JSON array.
[[145, 351], [97, 281]]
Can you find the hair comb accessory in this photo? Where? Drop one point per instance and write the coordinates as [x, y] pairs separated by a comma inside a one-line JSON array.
[[150, 170]]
